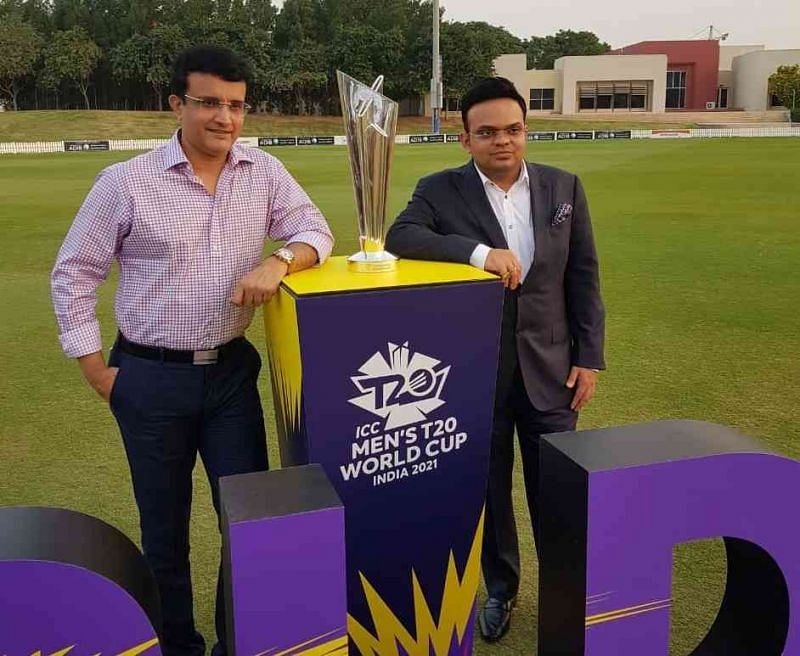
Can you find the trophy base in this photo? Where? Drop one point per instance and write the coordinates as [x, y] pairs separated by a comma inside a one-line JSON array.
[[381, 262]]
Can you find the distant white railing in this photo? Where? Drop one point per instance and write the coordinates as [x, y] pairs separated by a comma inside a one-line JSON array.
[[29, 147], [24, 147], [136, 144]]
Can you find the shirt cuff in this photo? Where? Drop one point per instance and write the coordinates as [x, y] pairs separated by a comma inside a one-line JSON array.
[[82, 340], [479, 255], [318, 241]]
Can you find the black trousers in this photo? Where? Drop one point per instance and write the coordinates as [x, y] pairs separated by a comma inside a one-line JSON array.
[[167, 414], [500, 560]]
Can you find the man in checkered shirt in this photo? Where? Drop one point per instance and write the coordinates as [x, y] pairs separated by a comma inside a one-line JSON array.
[[187, 223]]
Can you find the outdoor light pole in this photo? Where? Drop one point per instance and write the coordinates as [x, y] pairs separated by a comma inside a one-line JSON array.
[[436, 75]]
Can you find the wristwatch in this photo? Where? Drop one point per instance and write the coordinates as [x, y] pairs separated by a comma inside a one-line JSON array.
[[284, 255]]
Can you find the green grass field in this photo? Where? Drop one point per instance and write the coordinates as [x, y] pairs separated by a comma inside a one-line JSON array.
[[699, 243], [81, 124]]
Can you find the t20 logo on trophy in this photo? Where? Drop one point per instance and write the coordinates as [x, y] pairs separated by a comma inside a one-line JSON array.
[[403, 390], [370, 123]]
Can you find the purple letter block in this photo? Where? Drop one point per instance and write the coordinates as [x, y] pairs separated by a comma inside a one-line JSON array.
[[614, 504], [283, 540], [71, 583]]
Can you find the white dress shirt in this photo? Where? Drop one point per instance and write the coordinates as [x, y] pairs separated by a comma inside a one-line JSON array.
[[512, 209]]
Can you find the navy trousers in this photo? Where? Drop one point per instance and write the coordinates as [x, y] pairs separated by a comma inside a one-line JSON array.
[[167, 414], [500, 558]]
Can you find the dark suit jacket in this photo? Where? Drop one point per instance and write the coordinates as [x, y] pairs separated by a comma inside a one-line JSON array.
[[555, 319]]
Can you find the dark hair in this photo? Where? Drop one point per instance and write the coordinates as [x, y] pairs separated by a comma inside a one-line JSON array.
[[214, 60], [490, 88]]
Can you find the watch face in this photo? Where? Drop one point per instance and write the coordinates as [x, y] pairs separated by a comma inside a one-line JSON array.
[[284, 255]]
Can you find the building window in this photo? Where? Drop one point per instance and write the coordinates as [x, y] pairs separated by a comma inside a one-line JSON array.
[[613, 96], [676, 89], [587, 96], [639, 96], [605, 95], [622, 97], [722, 97], [773, 100], [542, 99], [452, 104]]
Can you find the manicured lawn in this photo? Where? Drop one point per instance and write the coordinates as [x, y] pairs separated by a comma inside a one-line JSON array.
[[71, 124], [699, 243]]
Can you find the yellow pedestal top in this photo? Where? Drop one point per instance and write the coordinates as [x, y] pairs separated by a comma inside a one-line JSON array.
[[334, 276]]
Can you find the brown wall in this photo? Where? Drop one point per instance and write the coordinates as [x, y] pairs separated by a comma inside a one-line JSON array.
[[699, 58]]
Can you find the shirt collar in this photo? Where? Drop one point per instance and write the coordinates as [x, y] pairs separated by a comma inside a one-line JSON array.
[[240, 153], [523, 176], [174, 155], [173, 152]]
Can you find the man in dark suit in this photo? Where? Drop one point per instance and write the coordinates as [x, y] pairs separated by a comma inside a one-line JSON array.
[[530, 225]]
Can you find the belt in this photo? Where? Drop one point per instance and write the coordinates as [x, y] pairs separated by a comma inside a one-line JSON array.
[[207, 356]]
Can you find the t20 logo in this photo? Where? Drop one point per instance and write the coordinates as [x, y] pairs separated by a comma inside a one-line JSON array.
[[403, 389]]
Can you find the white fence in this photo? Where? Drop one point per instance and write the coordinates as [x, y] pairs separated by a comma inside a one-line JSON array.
[[15, 148], [136, 144], [12, 148]]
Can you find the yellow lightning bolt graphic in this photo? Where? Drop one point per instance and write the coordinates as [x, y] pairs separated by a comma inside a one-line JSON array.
[[457, 604], [336, 646], [133, 651]]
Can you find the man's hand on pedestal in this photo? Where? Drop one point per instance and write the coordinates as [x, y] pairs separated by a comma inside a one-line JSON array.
[[261, 284], [505, 264]]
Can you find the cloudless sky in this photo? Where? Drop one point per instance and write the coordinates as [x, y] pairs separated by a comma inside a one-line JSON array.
[[773, 23]]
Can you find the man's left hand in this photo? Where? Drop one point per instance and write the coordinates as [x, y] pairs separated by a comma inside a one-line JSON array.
[[584, 381], [260, 285]]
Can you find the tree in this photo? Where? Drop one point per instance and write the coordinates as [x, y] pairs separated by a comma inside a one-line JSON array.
[[543, 51], [149, 58], [468, 52], [126, 48], [300, 73], [495, 40], [299, 23], [73, 56], [415, 58], [785, 84], [20, 45], [255, 45], [364, 52], [35, 12]]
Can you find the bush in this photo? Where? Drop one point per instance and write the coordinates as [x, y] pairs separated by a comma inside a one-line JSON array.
[[795, 115]]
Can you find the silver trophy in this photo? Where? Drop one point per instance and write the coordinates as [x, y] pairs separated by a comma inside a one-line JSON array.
[[370, 122]]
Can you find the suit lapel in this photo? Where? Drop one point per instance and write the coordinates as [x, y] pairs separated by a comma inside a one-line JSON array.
[[471, 188], [540, 214]]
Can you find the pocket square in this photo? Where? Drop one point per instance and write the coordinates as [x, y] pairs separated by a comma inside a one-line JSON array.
[[563, 212]]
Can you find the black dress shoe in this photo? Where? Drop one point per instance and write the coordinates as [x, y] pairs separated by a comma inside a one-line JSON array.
[[495, 618]]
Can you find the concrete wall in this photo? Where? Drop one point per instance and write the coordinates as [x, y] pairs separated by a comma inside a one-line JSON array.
[[728, 53], [515, 68], [726, 56], [751, 73], [607, 68]]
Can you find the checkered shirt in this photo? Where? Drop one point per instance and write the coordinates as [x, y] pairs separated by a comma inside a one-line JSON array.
[[180, 250]]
